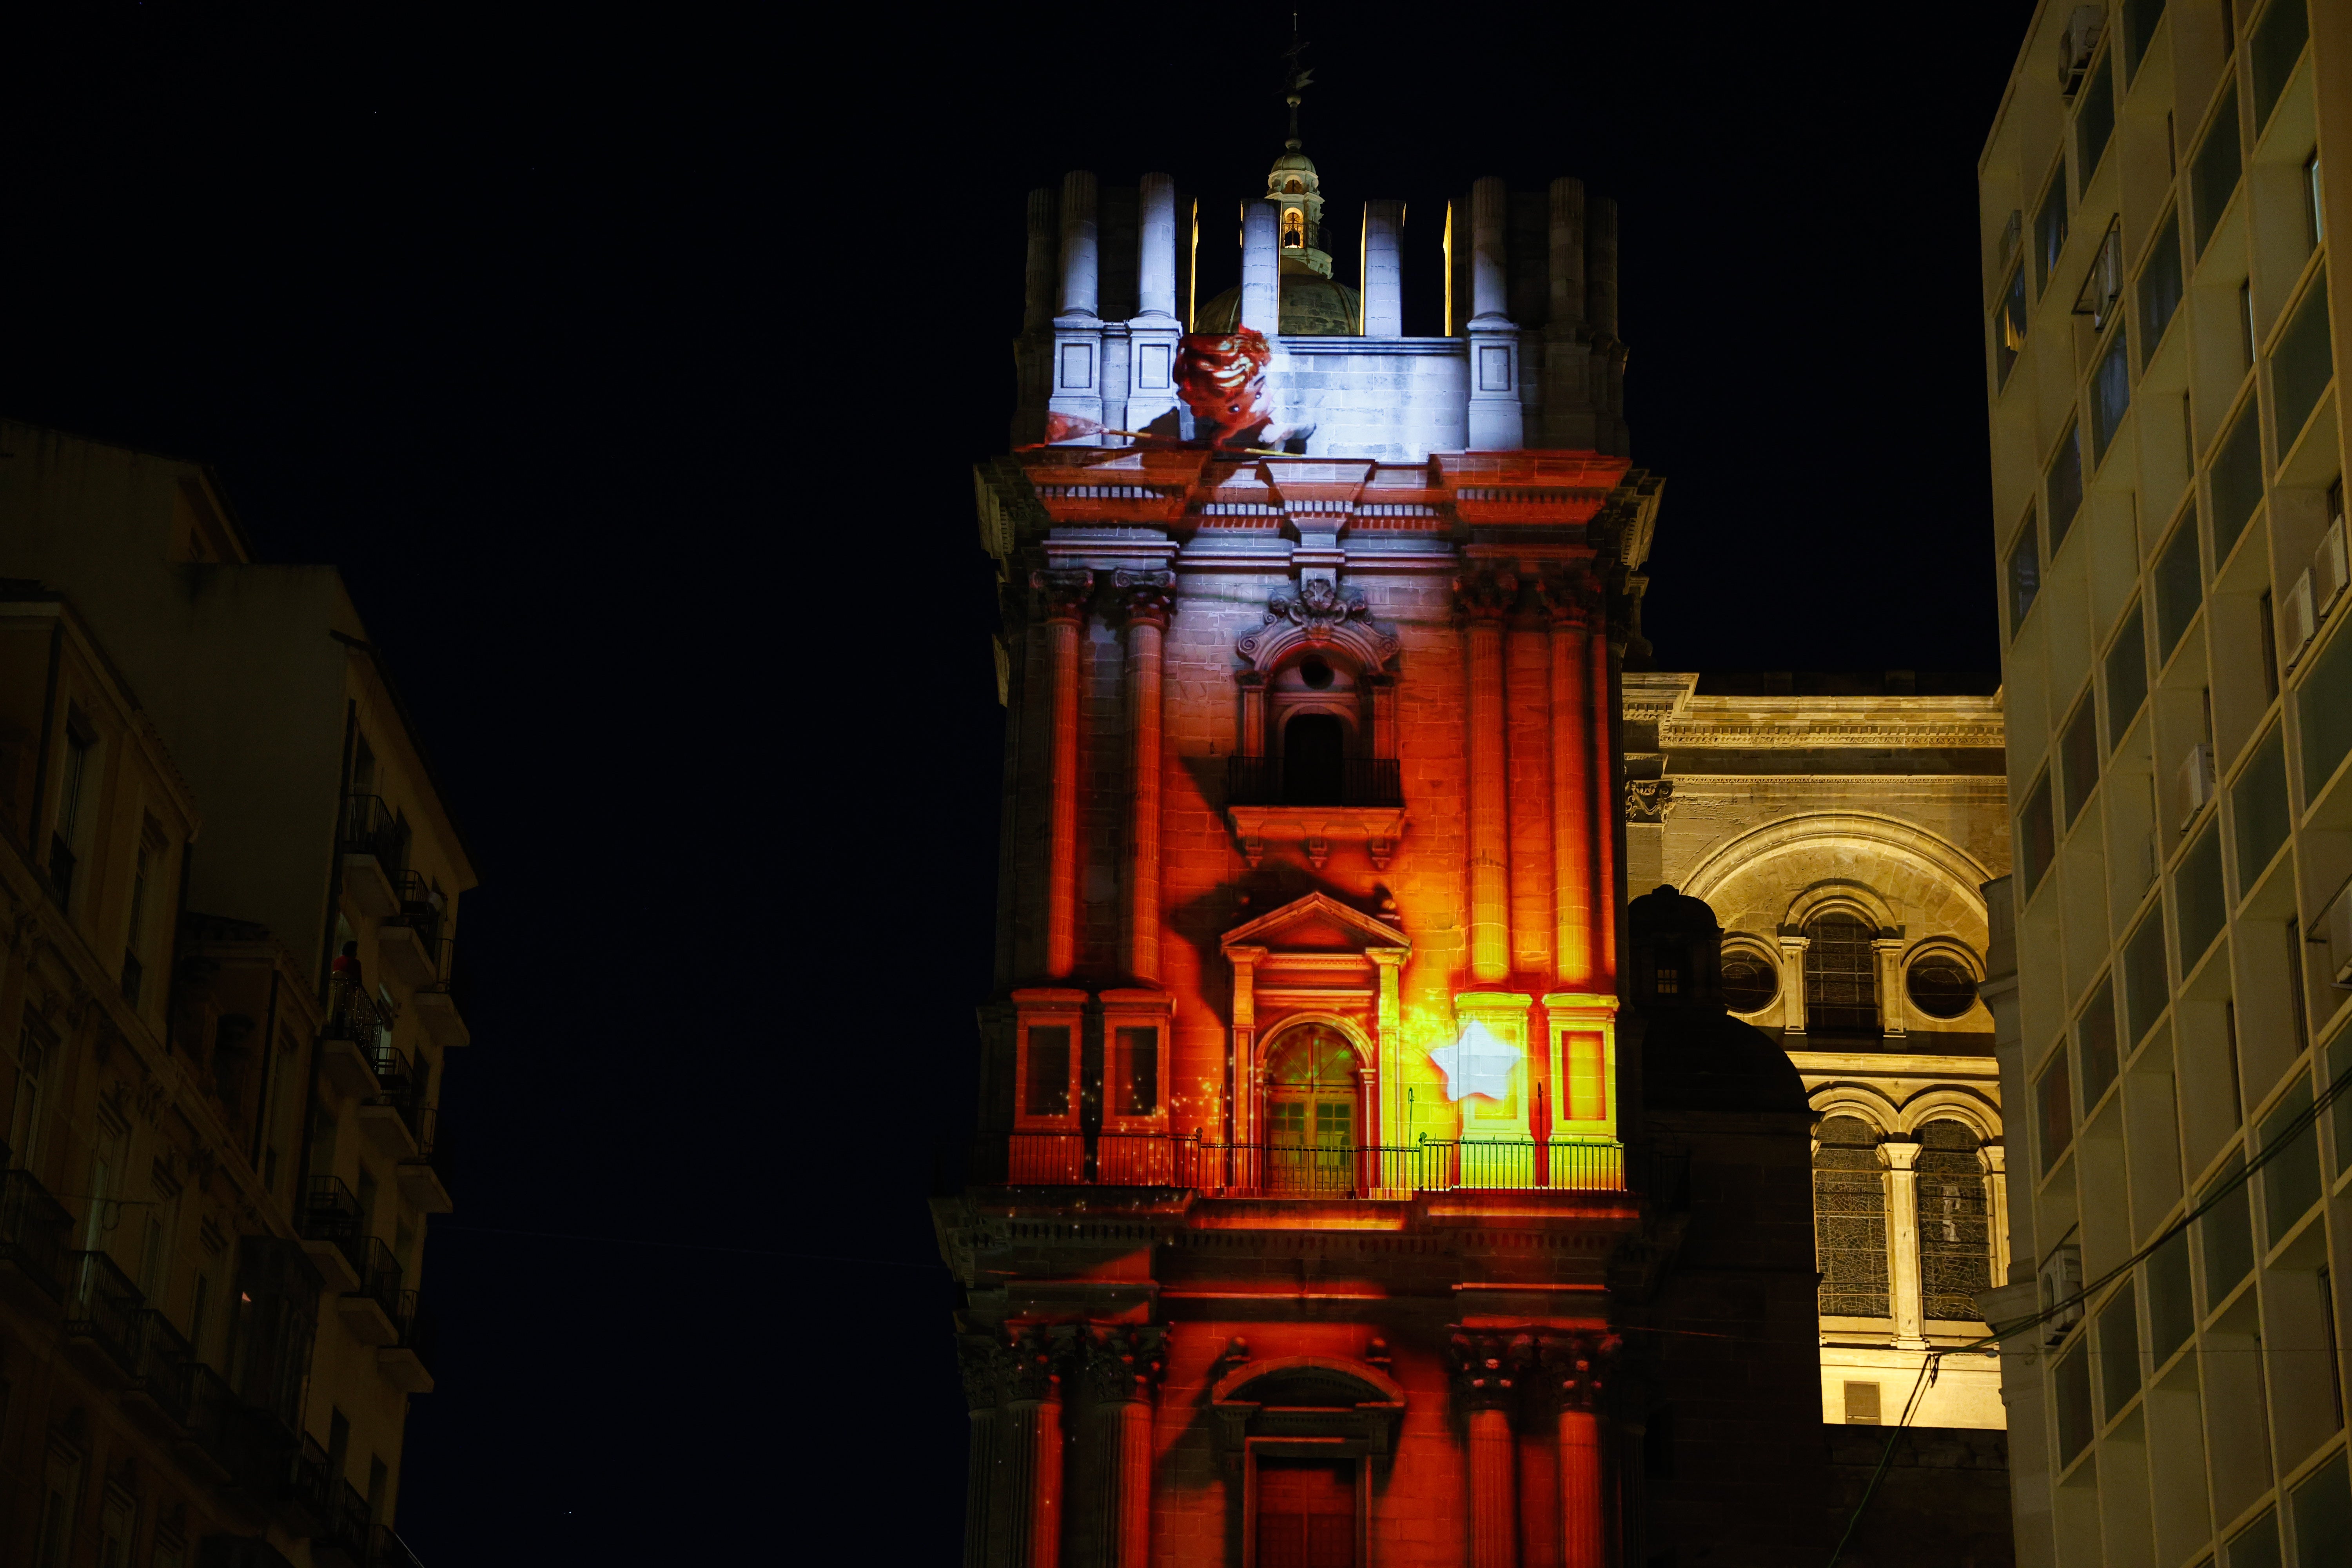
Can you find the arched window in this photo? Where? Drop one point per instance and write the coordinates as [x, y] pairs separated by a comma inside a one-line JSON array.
[[1314, 759], [1850, 1220], [1841, 977], [1310, 1112], [1955, 1231]]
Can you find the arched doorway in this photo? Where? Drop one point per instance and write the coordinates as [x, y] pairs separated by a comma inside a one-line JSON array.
[[1312, 1114]]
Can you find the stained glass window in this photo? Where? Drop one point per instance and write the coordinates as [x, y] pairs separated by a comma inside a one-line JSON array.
[[1841, 978], [1850, 1220], [1954, 1230]]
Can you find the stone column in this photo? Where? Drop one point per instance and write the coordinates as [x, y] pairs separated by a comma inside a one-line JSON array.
[[1567, 252], [1081, 258], [1155, 276], [1252, 737], [1387, 1049], [1601, 265], [1568, 602], [1075, 412], [1241, 1100], [1483, 1386], [982, 1363], [1123, 1367], [1571, 1367], [1793, 982], [1064, 594], [1039, 274], [1903, 1242], [1604, 816], [1496, 423], [1261, 269], [1889, 952], [1032, 1451], [1484, 598], [1144, 598], [1383, 269], [1996, 1166], [1490, 201], [1152, 335]]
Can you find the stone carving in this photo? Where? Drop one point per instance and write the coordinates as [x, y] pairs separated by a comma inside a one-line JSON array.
[[1485, 595], [1318, 607], [1569, 597], [982, 1363], [1064, 593], [1570, 1368], [1035, 1358], [1320, 613], [1484, 1369], [1124, 1362], [1648, 800], [1143, 595]]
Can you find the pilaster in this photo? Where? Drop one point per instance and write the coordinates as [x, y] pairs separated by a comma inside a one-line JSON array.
[[1123, 1364], [1063, 610], [1792, 982], [1484, 599], [1485, 1388], [1143, 600], [1888, 951], [1901, 1158]]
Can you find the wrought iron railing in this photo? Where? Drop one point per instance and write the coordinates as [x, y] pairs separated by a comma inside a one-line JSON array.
[[102, 1307], [370, 828], [161, 1361], [356, 1017], [417, 1327], [33, 1230], [330, 1214], [380, 1277], [420, 909], [1300, 1169], [1351, 781]]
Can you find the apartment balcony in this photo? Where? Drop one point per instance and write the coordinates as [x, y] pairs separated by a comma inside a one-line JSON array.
[[393, 1116], [240, 1552], [375, 852], [348, 1537], [371, 1311], [334, 1233], [392, 1551], [424, 1176], [1300, 1169], [158, 1392], [436, 1004], [357, 1029], [33, 1231], [210, 1444], [408, 1360], [102, 1308], [408, 940]]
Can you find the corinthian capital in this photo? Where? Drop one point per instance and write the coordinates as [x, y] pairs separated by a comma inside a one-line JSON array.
[[1484, 596], [1486, 1369], [1035, 1359], [1063, 592], [1570, 1368], [1570, 597], [1144, 596], [1124, 1362]]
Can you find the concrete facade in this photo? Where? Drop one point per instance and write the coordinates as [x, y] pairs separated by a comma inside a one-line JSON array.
[[2163, 388]]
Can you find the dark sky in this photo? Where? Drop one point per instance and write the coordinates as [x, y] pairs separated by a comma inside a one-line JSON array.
[[631, 366]]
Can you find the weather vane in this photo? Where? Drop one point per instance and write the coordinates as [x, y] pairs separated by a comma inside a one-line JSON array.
[[1297, 81]]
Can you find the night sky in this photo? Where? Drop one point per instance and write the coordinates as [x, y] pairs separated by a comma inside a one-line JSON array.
[[631, 365]]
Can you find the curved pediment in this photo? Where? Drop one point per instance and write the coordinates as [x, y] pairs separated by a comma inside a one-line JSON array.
[[1311, 1380]]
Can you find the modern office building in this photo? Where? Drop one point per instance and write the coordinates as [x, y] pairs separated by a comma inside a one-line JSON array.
[[2161, 207], [1841, 827], [1362, 1177], [231, 890]]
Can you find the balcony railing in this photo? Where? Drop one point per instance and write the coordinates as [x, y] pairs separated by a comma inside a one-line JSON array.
[[420, 910], [1354, 780], [102, 1307], [380, 1277], [161, 1362], [1300, 1169], [356, 1017], [417, 1326], [33, 1230], [371, 828], [329, 1212]]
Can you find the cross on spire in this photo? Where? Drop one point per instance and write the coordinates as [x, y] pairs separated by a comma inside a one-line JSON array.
[[1295, 80]]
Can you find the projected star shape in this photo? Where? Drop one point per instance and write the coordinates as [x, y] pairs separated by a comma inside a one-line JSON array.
[[1477, 1063]]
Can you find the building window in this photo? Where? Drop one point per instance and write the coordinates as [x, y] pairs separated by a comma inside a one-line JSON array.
[[2162, 286], [2179, 585], [1750, 980], [2037, 836], [1310, 1112], [32, 1046], [1850, 1220], [2008, 327], [2322, 703], [1955, 1226], [2054, 1104], [2237, 471], [1047, 1090], [2259, 809], [2213, 171], [2302, 366], [2127, 677], [2118, 1352], [1862, 1404], [2062, 487], [1136, 1071], [2050, 229], [2096, 1045], [2095, 120], [2078, 757], [1940, 986], [2147, 988], [2197, 894], [2024, 572], [2141, 18], [2110, 392], [2273, 48], [1841, 977], [1294, 229], [63, 855]]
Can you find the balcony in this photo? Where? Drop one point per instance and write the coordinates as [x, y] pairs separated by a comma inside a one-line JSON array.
[[1351, 800], [349, 1535], [392, 1115], [239, 1552], [408, 1361], [408, 941], [357, 1029], [334, 1233], [160, 1389], [210, 1445], [102, 1310], [1357, 780], [437, 1006], [371, 1311], [1300, 1171], [424, 1176], [33, 1230], [392, 1551], [375, 851]]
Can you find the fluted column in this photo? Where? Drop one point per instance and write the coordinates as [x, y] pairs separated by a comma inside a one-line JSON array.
[[1903, 1241], [1064, 594], [1144, 598], [1484, 598], [1123, 1367], [1033, 1450], [1574, 817], [982, 1363], [1601, 265], [1605, 818], [1567, 252], [1572, 1367], [1484, 1386], [1383, 279]]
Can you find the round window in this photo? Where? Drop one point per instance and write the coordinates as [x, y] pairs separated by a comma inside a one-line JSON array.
[[1941, 986], [1750, 980], [1315, 672]]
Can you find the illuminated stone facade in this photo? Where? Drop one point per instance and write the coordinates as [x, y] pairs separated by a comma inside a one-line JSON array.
[[1842, 829], [1360, 1178], [221, 1158]]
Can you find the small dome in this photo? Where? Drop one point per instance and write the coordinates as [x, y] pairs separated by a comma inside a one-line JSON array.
[[1312, 307], [1294, 160]]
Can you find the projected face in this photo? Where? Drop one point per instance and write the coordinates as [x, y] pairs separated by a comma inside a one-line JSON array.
[[1222, 378], [1477, 1063]]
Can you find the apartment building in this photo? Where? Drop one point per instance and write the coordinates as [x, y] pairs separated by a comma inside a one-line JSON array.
[[2174, 946], [225, 982]]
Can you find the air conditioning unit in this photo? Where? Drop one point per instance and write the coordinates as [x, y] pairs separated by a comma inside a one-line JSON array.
[[2078, 44], [2195, 783], [2062, 1278], [2329, 571], [2297, 622], [2336, 923]]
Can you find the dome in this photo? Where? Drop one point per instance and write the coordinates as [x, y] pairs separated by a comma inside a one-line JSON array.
[[1294, 160], [1313, 306]]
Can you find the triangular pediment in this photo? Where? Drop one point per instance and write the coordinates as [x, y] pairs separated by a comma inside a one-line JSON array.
[[1317, 922]]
